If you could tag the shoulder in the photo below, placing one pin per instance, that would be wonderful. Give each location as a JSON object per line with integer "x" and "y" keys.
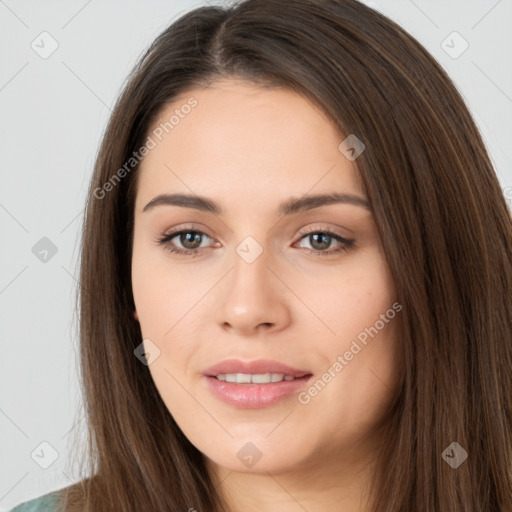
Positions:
{"x": 47, "y": 503}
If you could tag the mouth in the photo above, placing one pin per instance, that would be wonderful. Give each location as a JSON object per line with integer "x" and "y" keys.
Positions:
{"x": 256, "y": 378}
{"x": 260, "y": 369}
{"x": 254, "y": 384}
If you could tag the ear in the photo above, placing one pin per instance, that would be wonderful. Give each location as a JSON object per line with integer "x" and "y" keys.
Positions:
{"x": 135, "y": 315}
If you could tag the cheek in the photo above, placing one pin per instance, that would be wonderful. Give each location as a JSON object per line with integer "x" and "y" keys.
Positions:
{"x": 167, "y": 301}
{"x": 165, "y": 306}
{"x": 348, "y": 299}
{"x": 360, "y": 347}
{"x": 164, "y": 294}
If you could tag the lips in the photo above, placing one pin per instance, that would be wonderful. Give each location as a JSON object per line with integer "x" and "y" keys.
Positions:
{"x": 259, "y": 366}
{"x": 254, "y": 395}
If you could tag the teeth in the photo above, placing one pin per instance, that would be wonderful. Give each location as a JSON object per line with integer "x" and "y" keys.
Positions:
{"x": 259, "y": 378}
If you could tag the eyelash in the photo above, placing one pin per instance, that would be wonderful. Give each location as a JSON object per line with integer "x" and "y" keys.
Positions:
{"x": 164, "y": 240}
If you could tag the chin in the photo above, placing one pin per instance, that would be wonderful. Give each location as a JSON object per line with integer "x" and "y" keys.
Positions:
{"x": 257, "y": 456}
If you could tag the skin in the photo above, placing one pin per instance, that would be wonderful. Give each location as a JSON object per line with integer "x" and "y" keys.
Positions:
{"x": 248, "y": 149}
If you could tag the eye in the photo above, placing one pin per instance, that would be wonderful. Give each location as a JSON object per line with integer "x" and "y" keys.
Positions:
{"x": 190, "y": 240}
{"x": 322, "y": 239}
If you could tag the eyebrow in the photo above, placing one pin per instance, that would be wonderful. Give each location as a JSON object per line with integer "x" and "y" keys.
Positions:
{"x": 288, "y": 207}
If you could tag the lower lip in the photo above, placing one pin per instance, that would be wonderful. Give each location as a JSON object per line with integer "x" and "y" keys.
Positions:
{"x": 254, "y": 396}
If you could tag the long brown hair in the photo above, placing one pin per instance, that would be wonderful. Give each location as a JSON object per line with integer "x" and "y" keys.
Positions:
{"x": 441, "y": 216}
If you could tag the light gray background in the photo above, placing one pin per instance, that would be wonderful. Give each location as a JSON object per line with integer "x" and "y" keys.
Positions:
{"x": 52, "y": 114}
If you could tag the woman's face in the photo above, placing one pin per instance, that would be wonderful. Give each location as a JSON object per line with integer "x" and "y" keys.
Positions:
{"x": 281, "y": 286}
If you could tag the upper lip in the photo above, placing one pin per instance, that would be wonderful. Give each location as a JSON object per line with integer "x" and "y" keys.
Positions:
{"x": 258, "y": 366}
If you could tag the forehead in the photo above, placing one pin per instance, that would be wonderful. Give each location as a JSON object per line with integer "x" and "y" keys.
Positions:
{"x": 242, "y": 137}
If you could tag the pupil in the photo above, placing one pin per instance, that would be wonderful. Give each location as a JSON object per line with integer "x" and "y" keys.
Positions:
{"x": 324, "y": 240}
{"x": 188, "y": 240}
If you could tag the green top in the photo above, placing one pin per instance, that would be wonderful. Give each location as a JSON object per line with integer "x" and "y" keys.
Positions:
{"x": 46, "y": 503}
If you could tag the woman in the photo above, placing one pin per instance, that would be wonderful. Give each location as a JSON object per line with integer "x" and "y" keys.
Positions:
{"x": 295, "y": 276}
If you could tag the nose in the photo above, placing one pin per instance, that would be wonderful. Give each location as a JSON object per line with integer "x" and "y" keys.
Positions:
{"x": 253, "y": 299}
